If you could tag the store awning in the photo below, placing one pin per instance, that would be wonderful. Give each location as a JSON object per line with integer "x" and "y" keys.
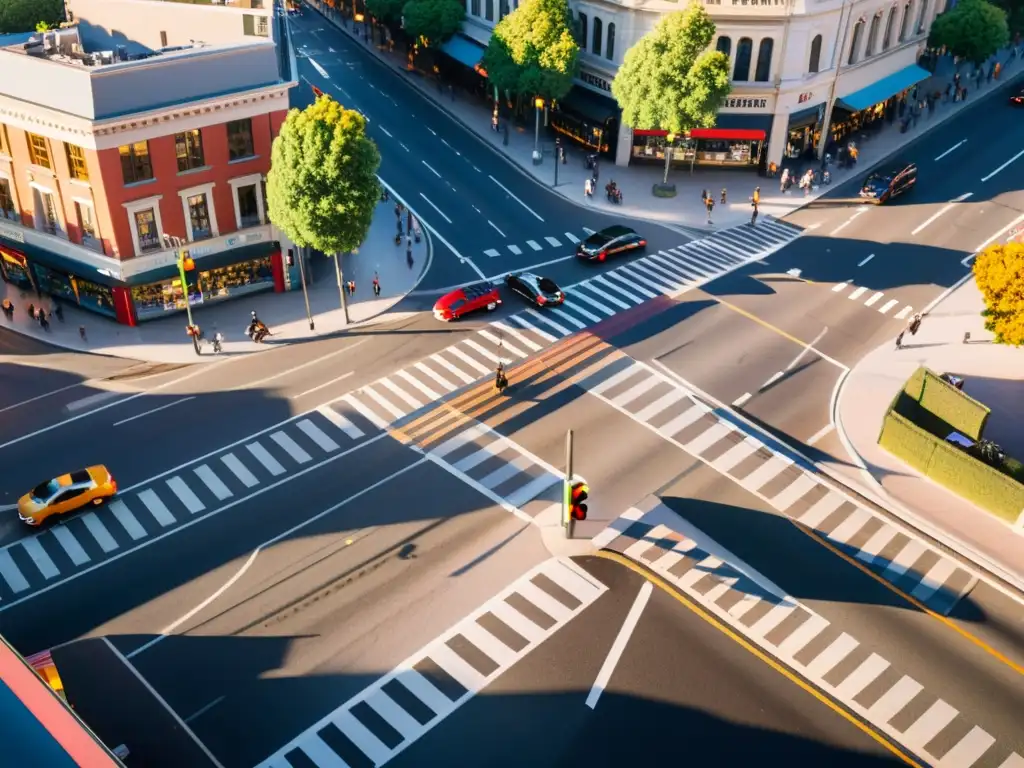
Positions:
{"x": 589, "y": 105}
{"x": 464, "y": 50}
{"x": 727, "y": 126}
{"x": 884, "y": 88}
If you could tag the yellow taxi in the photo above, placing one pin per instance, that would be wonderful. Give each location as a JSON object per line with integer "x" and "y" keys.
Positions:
{"x": 66, "y": 493}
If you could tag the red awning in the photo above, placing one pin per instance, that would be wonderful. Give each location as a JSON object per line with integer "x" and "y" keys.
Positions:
{"x": 712, "y": 133}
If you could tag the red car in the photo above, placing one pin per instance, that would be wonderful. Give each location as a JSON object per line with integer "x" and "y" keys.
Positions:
{"x": 461, "y": 301}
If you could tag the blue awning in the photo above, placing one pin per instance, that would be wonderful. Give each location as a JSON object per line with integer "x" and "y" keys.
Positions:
{"x": 884, "y": 88}
{"x": 464, "y": 50}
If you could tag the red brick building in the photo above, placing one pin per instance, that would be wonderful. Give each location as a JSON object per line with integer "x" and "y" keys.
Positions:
{"x": 114, "y": 159}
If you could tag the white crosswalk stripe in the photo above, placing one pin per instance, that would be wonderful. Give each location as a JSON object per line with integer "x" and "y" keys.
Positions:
{"x": 869, "y": 298}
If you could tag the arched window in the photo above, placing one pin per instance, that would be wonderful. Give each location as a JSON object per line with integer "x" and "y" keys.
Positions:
{"x": 609, "y": 43}
{"x": 744, "y": 50}
{"x": 921, "y": 14}
{"x": 815, "y": 61}
{"x": 724, "y": 45}
{"x": 858, "y": 33}
{"x": 876, "y": 22}
{"x": 581, "y": 30}
{"x": 596, "y": 46}
{"x": 889, "y": 21}
{"x": 904, "y": 21}
{"x": 763, "y": 69}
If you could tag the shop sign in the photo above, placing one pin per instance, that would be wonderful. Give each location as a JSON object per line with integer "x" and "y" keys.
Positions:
{"x": 595, "y": 81}
{"x": 743, "y": 102}
{"x": 12, "y": 233}
{"x": 805, "y": 97}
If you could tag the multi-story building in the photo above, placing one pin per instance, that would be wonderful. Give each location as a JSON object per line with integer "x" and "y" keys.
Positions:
{"x": 795, "y": 64}
{"x": 120, "y": 148}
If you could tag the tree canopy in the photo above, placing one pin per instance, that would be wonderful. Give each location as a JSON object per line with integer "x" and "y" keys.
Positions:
{"x": 433, "y": 21}
{"x": 532, "y": 51}
{"x": 387, "y": 11}
{"x": 999, "y": 274}
{"x": 670, "y": 80}
{"x": 973, "y": 29}
{"x": 322, "y": 187}
{"x": 23, "y": 15}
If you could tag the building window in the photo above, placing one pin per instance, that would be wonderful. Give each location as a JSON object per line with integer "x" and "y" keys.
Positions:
{"x": 489, "y": 10}
{"x": 474, "y": 8}
{"x": 136, "y": 165}
{"x": 7, "y": 210}
{"x": 45, "y": 214}
{"x": 921, "y": 14}
{"x": 609, "y": 43}
{"x": 38, "y": 152}
{"x": 146, "y": 230}
{"x": 596, "y": 43}
{"x": 189, "y": 148}
{"x": 904, "y": 20}
{"x": 724, "y": 45}
{"x": 815, "y": 60}
{"x": 240, "y": 139}
{"x": 248, "y": 197}
{"x": 581, "y": 30}
{"x": 254, "y": 25}
{"x": 76, "y": 162}
{"x": 87, "y": 225}
{"x": 199, "y": 217}
{"x": 502, "y": 9}
{"x": 889, "y": 22}
{"x": 744, "y": 50}
{"x": 858, "y": 33}
{"x": 764, "y": 60}
{"x": 876, "y": 23}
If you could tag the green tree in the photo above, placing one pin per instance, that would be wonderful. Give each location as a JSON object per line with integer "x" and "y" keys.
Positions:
{"x": 322, "y": 188}
{"x": 387, "y": 11}
{"x": 973, "y": 29}
{"x": 433, "y": 21}
{"x": 24, "y": 15}
{"x": 532, "y": 51}
{"x": 670, "y": 80}
{"x": 999, "y": 274}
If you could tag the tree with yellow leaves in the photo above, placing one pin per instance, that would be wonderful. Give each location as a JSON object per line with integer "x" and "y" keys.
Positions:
{"x": 999, "y": 273}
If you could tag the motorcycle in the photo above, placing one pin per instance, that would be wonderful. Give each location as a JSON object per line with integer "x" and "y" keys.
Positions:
{"x": 258, "y": 332}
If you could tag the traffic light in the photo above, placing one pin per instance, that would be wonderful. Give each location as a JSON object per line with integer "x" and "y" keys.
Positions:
{"x": 187, "y": 263}
{"x": 579, "y": 492}
{"x": 291, "y": 257}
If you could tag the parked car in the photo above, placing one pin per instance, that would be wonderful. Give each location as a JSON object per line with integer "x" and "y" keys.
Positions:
{"x": 67, "y": 493}
{"x": 462, "y": 301}
{"x": 880, "y": 187}
{"x": 541, "y": 291}
{"x": 608, "y": 242}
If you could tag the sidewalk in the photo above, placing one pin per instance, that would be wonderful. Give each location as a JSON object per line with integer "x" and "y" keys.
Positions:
{"x": 164, "y": 340}
{"x": 993, "y": 374}
{"x": 636, "y": 181}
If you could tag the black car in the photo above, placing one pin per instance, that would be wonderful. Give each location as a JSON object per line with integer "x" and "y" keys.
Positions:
{"x": 1017, "y": 99}
{"x": 538, "y": 290}
{"x": 608, "y": 242}
{"x": 881, "y": 187}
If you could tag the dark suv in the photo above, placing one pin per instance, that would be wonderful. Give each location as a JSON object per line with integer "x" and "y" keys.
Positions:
{"x": 880, "y": 187}
{"x": 608, "y": 242}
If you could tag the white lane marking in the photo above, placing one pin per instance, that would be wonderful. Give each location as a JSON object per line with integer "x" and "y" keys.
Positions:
{"x": 11, "y": 573}
{"x": 203, "y": 710}
{"x": 45, "y": 394}
{"x": 39, "y": 556}
{"x": 904, "y": 312}
{"x": 739, "y": 401}
{"x": 535, "y": 245}
{"x": 895, "y": 699}
{"x": 156, "y": 507}
{"x": 240, "y": 470}
{"x": 887, "y": 306}
{"x": 428, "y": 128}
{"x": 516, "y": 250}
{"x": 837, "y": 650}
{"x": 495, "y": 253}
{"x": 516, "y": 335}
{"x": 185, "y": 495}
{"x": 409, "y": 400}
{"x": 1004, "y": 165}
{"x": 951, "y": 149}
{"x": 318, "y": 387}
{"x": 402, "y": 145}
{"x": 417, "y": 384}
{"x": 491, "y": 252}
{"x": 262, "y": 455}
{"x": 365, "y": 412}
{"x": 85, "y": 402}
{"x": 938, "y": 213}
{"x": 849, "y": 221}
{"x": 572, "y": 238}
{"x": 70, "y": 544}
{"x": 319, "y": 70}
{"x": 875, "y": 297}
{"x": 821, "y": 433}
{"x": 869, "y": 258}
{"x": 447, "y": 385}
{"x": 211, "y": 481}
{"x": 857, "y": 293}
{"x": 314, "y": 433}
{"x": 839, "y": 288}
{"x": 772, "y": 379}
{"x": 509, "y": 193}
{"x": 387, "y": 132}
{"x": 443, "y": 216}
{"x": 127, "y": 520}
{"x": 451, "y": 368}
{"x": 346, "y": 426}
{"x": 553, "y": 242}
{"x": 431, "y": 169}
{"x": 289, "y": 446}
{"x": 970, "y": 749}
{"x": 279, "y": 374}
{"x": 619, "y": 646}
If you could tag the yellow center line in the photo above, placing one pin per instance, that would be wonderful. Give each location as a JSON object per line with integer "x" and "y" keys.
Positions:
{"x": 883, "y": 740}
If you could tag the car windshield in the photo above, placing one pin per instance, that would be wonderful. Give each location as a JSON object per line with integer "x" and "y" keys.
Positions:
{"x": 597, "y": 240}
{"x": 547, "y": 286}
{"x": 46, "y": 490}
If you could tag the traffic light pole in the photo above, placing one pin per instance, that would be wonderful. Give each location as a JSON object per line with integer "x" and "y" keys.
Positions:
{"x": 568, "y": 524}
{"x": 188, "y": 305}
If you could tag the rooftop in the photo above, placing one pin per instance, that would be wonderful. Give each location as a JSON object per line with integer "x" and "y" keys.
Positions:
{"x": 68, "y": 46}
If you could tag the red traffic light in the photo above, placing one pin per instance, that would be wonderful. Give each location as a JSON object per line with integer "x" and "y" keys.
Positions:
{"x": 579, "y": 493}
{"x": 188, "y": 264}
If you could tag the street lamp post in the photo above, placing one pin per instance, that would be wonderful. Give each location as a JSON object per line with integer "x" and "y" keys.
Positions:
{"x": 538, "y": 105}
{"x": 305, "y": 293}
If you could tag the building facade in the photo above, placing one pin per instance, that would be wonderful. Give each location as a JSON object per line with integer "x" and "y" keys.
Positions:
{"x": 115, "y": 159}
{"x": 796, "y": 65}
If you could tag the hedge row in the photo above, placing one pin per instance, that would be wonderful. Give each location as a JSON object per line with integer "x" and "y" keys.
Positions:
{"x": 952, "y": 467}
{"x": 962, "y": 412}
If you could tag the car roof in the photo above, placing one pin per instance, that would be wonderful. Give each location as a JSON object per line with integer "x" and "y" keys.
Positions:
{"x": 467, "y": 292}
{"x": 616, "y": 230}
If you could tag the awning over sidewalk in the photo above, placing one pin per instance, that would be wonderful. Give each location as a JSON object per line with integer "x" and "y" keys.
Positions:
{"x": 727, "y": 126}
{"x": 464, "y": 50}
{"x": 588, "y": 104}
{"x": 884, "y": 88}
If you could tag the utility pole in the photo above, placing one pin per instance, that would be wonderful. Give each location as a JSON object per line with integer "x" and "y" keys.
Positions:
{"x": 568, "y": 524}
{"x": 185, "y": 264}
{"x": 302, "y": 278}
{"x": 826, "y": 123}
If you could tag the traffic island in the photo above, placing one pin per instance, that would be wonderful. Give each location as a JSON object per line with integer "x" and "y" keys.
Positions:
{"x": 664, "y": 190}
{"x": 938, "y": 430}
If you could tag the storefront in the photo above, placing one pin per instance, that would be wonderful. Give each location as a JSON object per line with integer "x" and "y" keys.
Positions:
{"x": 803, "y": 132}
{"x": 736, "y": 141}
{"x": 866, "y": 109}
{"x": 586, "y": 117}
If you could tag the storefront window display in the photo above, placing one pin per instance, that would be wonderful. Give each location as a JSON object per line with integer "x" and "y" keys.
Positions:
{"x": 14, "y": 268}
{"x": 738, "y": 152}
{"x": 156, "y": 299}
{"x": 85, "y": 293}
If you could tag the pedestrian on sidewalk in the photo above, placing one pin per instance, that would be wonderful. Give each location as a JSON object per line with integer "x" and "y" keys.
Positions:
{"x": 376, "y": 285}
{"x": 408, "y": 247}
{"x": 784, "y": 181}
{"x": 385, "y": 196}
{"x": 81, "y": 332}
{"x": 588, "y": 188}
{"x": 996, "y": 69}
{"x": 704, "y": 197}
{"x": 755, "y": 202}
{"x": 709, "y": 204}
{"x": 773, "y": 169}
{"x": 723, "y": 198}
{"x": 351, "y": 288}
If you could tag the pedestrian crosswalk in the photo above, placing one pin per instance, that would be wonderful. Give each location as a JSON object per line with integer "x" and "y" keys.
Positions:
{"x": 835, "y": 661}
{"x": 390, "y": 715}
{"x": 212, "y": 482}
{"x": 876, "y": 300}
{"x": 564, "y": 240}
{"x": 785, "y": 482}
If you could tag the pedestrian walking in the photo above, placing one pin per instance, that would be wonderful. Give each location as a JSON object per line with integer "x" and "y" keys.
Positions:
{"x": 755, "y": 202}
{"x": 351, "y": 287}
{"x": 784, "y": 181}
{"x": 915, "y": 325}
{"x": 588, "y": 188}
{"x": 899, "y": 340}
{"x": 376, "y": 285}
{"x": 723, "y": 196}
{"x": 81, "y": 332}
{"x": 709, "y": 204}
{"x": 704, "y": 197}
